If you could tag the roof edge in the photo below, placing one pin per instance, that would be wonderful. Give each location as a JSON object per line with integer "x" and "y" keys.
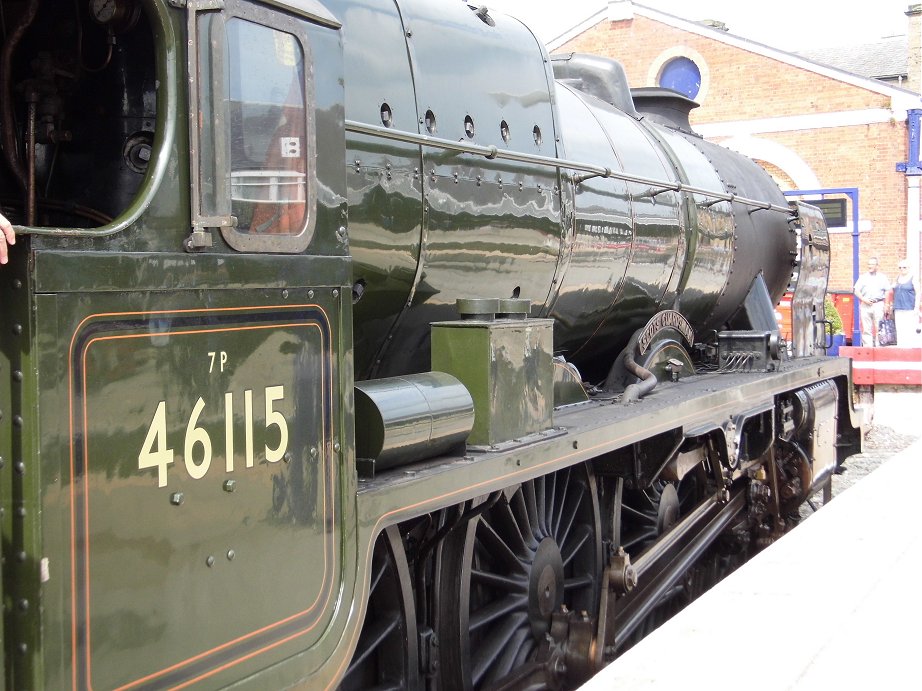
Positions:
{"x": 897, "y": 93}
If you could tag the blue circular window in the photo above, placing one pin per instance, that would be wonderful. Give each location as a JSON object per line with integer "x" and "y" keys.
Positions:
{"x": 682, "y": 75}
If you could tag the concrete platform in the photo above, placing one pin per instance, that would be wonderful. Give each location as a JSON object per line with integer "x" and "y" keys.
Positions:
{"x": 835, "y": 604}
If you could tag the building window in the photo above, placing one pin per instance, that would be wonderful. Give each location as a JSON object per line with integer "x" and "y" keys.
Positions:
{"x": 681, "y": 74}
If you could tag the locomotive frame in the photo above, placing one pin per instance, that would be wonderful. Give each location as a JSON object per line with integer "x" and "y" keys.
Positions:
{"x": 226, "y": 461}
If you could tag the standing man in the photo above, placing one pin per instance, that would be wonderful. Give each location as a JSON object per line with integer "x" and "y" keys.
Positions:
{"x": 871, "y": 290}
{"x": 7, "y": 237}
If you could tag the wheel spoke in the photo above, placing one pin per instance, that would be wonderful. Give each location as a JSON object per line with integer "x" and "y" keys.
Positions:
{"x": 565, "y": 533}
{"x": 493, "y": 646}
{"x": 495, "y": 547}
{"x": 506, "y": 524}
{"x": 636, "y": 538}
{"x": 579, "y": 540}
{"x": 490, "y": 616}
{"x": 500, "y": 581}
{"x": 642, "y": 515}
{"x": 531, "y": 504}
{"x": 373, "y": 636}
{"x": 520, "y": 509}
{"x": 494, "y": 610}
{"x": 386, "y": 656}
{"x": 525, "y": 651}
{"x": 541, "y": 505}
{"x": 563, "y": 501}
{"x": 652, "y": 495}
{"x": 380, "y": 567}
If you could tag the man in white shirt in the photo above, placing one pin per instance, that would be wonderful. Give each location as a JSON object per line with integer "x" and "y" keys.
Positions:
{"x": 871, "y": 291}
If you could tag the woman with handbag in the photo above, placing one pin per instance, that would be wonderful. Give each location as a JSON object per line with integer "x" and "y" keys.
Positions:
{"x": 904, "y": 302}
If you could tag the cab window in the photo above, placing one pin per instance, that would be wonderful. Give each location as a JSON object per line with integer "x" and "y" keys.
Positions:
{"x": 257, "y": 135}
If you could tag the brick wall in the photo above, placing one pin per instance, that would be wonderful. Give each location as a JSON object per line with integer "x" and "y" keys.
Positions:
{"x": 740, "y": 85}
{"x": 863, "y": 157}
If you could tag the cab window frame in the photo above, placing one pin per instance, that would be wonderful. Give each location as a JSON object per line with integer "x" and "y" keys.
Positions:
{"x": 213, "y": 197}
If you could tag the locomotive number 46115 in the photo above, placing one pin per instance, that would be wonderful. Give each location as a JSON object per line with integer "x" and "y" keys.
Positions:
{"x": 197, "y": 443}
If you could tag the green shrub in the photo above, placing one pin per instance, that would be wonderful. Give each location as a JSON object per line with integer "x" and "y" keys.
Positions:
{"x": 832, "y": 316}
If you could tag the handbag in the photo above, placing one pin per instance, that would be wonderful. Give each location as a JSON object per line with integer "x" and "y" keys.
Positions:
{"x": 886, "y": 332}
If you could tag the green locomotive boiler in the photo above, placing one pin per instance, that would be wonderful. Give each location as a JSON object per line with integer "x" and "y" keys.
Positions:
{"x": 362, "y": 344}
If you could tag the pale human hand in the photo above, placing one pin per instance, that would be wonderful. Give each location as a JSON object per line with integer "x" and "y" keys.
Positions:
{"x": 7, "y": 237}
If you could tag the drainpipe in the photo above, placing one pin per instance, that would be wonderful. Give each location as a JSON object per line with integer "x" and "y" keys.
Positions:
{"x": 913, "y": 171}
{"x": 913, "y": 221}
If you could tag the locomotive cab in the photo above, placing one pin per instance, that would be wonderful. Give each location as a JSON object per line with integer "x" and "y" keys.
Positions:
{"x": 244, "y": 156}
{"x": 177, "y": 176}
{"x": 79, "y": 85}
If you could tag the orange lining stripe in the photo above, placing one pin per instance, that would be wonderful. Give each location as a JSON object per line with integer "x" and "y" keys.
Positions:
{"x": 327, "y": 399}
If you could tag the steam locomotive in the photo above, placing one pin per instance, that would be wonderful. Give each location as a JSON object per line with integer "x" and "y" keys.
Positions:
{"x": 361, "y": 344}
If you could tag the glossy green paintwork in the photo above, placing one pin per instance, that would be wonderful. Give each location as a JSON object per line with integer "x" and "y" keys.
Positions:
{"x": 100, "y": 272}
{"x": 568, "y": 385}
{"x": 507, "y": 366}
{"x": 423, "y": 221}
{"x": 114, "y": 326}
{"x": 626, "y": 246}
{"x": 429, "y": 226}
{"x": 177, "y": 570}
{"x": 404, "y": 419}
{"x": 20, "y": 478}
